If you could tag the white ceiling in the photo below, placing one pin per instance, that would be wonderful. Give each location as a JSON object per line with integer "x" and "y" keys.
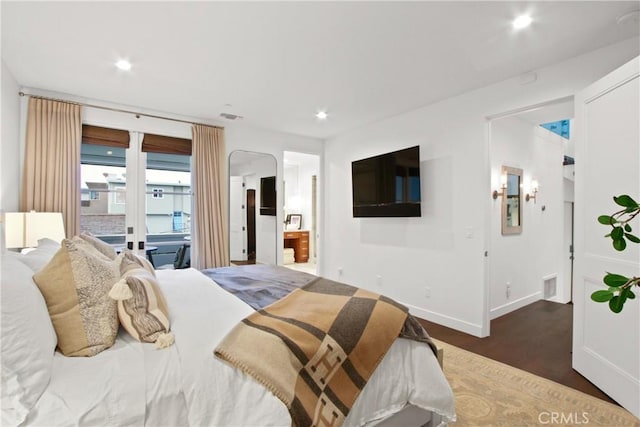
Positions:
{"x": 276, "y": 63}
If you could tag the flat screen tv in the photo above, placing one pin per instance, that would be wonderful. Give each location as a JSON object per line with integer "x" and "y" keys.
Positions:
{"x": 268, "y": 195}
{"x": 387, "y": 185}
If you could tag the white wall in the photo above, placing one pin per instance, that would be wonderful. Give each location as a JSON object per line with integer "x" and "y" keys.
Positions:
{"x": 523, "y": 260}
{"x": 10, "y": 147}
{"x": 444, "y": 249}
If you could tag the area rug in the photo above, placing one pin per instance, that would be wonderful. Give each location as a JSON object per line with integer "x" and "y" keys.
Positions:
{"x": 490, "y": 393}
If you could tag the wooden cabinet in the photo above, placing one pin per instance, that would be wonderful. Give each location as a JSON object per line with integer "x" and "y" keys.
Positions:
{"x": 299, "y": 241}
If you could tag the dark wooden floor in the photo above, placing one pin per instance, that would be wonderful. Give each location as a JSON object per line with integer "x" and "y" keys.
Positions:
{"x": 536, "y": 338}
{"x": 251, "y": 261}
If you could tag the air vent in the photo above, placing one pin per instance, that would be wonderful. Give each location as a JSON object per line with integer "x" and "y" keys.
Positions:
{"x": 230, "y": 116}
{"x": 550, "y": 290}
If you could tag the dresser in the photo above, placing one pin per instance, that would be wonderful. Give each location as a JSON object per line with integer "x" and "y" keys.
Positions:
{"x": 299, "y": 241}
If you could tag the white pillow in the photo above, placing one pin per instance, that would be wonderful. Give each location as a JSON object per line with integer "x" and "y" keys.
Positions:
{"x": 40, "y": 256}
{"x": 28, "y": 340}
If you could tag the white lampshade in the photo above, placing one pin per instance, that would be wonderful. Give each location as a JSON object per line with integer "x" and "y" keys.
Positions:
{"x": 24, "y": 229}
{"x": 534, "y": 185}
{"x": 14, "y": 230}
{"x": 503, "y": 180}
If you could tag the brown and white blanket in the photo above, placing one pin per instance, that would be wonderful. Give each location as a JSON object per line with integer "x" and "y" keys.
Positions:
{"x": 316, "y": 348}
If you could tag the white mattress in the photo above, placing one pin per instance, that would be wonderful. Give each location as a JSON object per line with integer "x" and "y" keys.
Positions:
{"x": 135, "y": 384}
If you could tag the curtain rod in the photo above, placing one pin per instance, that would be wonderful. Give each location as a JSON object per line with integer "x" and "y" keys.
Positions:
{"x": 118, "y": 110}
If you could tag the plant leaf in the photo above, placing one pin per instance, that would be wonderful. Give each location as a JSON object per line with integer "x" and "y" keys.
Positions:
{"x": 606, "y": 220}
{"x": 615, "y": 304}
{"x": 620, "y": 244}
{"x": 615, "y": 280}
{"x": 627, "y": 228}
{"x": 625, "y": 293}
{"x": 630, "y": 294}
{"x": 602, "y": 296}
{"x": 625, "y": 201}
{"x": 617, "y": 233}
{"x": 632, "y": 238}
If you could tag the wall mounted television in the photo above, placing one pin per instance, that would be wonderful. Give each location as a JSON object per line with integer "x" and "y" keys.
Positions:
{"x": 387, "y": 185}
{"x": 268, "y": 195}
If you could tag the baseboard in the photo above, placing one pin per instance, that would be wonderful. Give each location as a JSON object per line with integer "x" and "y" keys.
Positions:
{"x": 610, "y": 378}
{"x": 514, "y": 305}
{"x": 558, "y": 300}
{"x": 449, "y": 322}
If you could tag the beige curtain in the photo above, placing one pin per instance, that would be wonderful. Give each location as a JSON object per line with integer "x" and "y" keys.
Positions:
{"x": 210, "y": 224}
{"x": 51, "y": 172}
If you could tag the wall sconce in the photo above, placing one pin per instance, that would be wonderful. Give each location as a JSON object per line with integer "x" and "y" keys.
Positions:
{"x": 503, "y": 187}
{"x": 534, "y": 191}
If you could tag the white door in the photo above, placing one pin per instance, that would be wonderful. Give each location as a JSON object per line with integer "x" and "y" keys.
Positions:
{"x": 606, "y": 346}
{"x": 237, "y": 219}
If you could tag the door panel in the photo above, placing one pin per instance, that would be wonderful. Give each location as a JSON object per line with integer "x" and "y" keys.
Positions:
{"x": 606, "y": 346}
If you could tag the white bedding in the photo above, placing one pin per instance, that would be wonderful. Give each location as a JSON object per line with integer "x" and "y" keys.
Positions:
{"x": 135, "y": 384}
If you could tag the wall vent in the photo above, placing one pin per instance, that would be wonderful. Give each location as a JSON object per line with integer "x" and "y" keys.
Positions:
{"x": 550, "y": 289}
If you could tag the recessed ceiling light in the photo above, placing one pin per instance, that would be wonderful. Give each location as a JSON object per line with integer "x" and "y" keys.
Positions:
{"x": 321, "y": 115}
{"x": 123, "y": 65}
{"x": 522, "y": 21}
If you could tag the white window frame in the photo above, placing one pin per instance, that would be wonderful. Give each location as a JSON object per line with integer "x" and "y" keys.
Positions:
{"x": 158, "y": 193}
{"x": 120, "y": 195}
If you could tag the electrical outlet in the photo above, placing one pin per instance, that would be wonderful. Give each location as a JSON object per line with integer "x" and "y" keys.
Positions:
{"x": 379, "y": 280}
{"x": 427, "y": 292}
{"x": 339, "y": 271}
{"x": 508, "y": 290}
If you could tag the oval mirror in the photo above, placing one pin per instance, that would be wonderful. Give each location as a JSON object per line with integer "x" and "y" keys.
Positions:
{"x": 252, "y": 208}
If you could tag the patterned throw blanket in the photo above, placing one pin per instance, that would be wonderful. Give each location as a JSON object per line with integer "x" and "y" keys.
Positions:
{"x": 316, "y": 348}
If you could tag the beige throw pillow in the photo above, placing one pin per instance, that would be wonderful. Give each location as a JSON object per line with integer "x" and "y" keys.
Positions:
{"x": 75, "y": 285}
{"x": 104, "y": 248}
{"x": 130, "y": 260}
{"x": 145, "y": 314}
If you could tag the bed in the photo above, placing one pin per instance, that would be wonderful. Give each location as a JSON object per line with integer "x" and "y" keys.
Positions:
{"x": 133, "y": 383}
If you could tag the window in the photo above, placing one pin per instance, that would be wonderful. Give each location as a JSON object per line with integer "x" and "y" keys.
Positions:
{"x": 103, "y": 173}
{"x": 168, "y": 208}
{"x": 561, "y": 127}
{"x": 120, "y": 196}
{"x": 103, "y": 182}
{"x": 145, "y": 181}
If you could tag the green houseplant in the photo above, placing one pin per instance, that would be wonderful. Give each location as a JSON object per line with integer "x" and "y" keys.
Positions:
{"x": 619, "y": 287}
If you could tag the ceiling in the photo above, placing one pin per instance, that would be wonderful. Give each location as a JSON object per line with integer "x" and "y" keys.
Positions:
{"x": 277, "y": 63}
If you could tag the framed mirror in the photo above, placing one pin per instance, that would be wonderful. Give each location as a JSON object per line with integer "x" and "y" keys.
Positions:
{"x": 511, "y": 200}
{"x": 252, "y": 230}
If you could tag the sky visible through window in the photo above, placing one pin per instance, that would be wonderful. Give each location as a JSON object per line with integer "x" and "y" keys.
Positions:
{"x": 561, "y": 127}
